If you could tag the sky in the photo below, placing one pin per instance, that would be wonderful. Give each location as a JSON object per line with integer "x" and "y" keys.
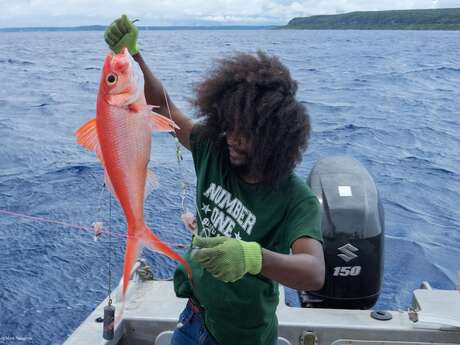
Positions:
{"x": 18, "y": 13}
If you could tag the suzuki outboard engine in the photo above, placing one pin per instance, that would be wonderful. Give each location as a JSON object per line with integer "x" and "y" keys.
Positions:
{"x": 353, "y": 230}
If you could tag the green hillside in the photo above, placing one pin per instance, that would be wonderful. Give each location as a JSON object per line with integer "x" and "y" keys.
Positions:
{"x": 436, "y": 19}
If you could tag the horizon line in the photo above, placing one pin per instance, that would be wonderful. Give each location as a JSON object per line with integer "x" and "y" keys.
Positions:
{"x": 143, "y": 26}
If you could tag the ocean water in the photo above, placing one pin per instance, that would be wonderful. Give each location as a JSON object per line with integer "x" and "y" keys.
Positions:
{"x": 389, "y": 99}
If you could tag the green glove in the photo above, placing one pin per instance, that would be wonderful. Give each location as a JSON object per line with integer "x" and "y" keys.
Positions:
{"x": 227, "y": 259}
{"x": 122, "y": 33}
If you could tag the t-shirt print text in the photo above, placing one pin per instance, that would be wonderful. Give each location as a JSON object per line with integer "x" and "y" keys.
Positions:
{"x": 224, "y": 212}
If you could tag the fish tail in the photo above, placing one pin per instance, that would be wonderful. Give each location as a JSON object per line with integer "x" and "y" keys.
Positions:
{"x": 156, "y": 244}
{"x": 131, "y": 254}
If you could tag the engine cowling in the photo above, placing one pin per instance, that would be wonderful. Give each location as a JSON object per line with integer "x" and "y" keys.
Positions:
{"x": 353, "y": 232}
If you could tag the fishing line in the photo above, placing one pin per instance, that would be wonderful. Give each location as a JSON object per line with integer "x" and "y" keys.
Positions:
{"x": 99, "y": 202}
{"x": 179, "y": 157}
{"x": 109, "y": 309}
{"x": 184, "y": 186}
{"x": 74, "y": 226}
{"x": 110, "y": 251}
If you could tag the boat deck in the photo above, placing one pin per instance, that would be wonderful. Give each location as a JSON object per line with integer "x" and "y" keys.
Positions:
{"x": 152, "y": 310}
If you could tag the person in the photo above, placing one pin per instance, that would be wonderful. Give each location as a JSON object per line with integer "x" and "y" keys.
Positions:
{"x": 252, "y": 209}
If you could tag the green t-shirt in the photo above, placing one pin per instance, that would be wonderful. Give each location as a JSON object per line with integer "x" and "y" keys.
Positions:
{"x": 243, "y": 312}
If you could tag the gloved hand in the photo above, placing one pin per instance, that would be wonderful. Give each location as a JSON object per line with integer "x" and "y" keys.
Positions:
{"x": 122, "y": 33}
{"x": 228, "y": 259}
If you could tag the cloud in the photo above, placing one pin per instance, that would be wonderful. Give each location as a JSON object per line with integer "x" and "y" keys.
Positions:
{"x": 166, "y": 12}
{"x": 447, "y": 3}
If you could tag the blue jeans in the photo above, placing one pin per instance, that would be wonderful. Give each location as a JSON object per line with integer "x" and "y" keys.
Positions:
{"x": 191, "y": 330}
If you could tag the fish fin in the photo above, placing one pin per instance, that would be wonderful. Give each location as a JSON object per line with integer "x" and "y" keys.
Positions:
{"x": 161, "y": 123}
{"x": 155, "y": 244}
{"x": 151, "y": 183}
{"x": 119, "y": 100}
{"x": 87, "y": 135}
{"x": 131, "y": 254}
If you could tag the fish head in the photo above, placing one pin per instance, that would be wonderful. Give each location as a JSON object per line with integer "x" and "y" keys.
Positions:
{"x": 122, "y": 81}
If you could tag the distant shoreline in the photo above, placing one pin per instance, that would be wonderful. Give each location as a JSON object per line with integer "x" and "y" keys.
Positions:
{"x": 444, "y": 19}
{"x": 144, "y": 28}
{"x": 430, "y": 19}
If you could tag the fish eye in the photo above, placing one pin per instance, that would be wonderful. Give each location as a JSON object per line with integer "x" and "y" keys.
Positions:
{"x": 111, "y": 79}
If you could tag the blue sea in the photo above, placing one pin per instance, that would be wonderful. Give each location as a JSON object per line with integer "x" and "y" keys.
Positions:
{"x": 391, "y": 99}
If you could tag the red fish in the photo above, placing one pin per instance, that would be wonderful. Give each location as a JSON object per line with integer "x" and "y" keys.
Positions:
{"x": 121, "y": 136}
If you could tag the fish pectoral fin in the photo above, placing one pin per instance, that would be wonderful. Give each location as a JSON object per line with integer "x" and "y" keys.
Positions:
{"x": 151, "y": 183}
{"x": 161, "y": 123}
{"x": 87, "y": 135}
{"x": 119, "y": 99}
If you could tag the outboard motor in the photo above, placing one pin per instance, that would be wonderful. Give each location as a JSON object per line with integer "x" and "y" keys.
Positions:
{"x": 353, "y": 230}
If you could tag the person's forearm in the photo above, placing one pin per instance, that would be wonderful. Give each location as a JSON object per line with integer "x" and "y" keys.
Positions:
{"x": 297, "y": 271}
{"x": 156, "y": 95}
{"x": 153, "y": 89}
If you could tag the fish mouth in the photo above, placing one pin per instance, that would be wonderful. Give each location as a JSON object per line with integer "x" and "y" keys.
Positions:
{"x": 121, "y": 62}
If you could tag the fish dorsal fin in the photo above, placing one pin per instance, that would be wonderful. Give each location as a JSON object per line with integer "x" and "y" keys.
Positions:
{"x": 151, "y": 183}
{"x": 161, "y": 123}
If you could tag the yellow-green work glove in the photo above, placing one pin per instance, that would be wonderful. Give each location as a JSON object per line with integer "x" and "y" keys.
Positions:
{"x": 122, "y": 33}
{"x": 227, "y": 259}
